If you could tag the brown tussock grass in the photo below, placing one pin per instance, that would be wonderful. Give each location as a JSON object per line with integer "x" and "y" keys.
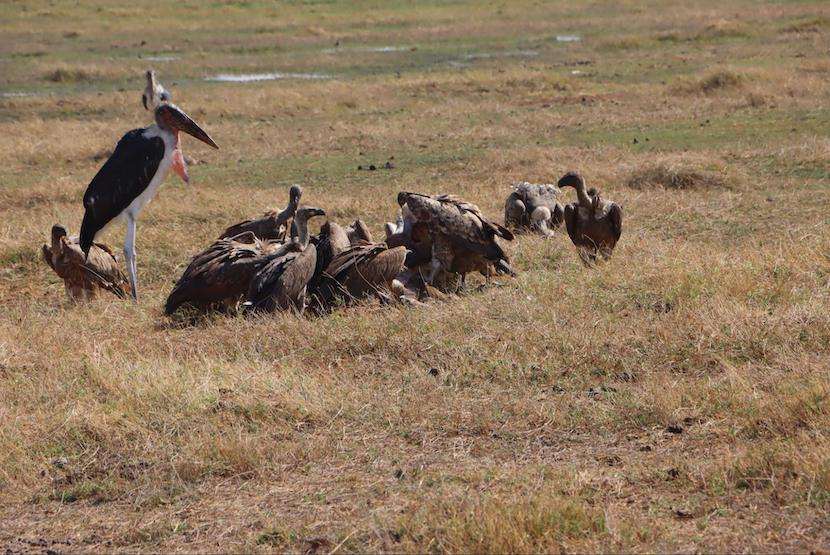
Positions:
{"x": 677, "y": 175}
{"x": 722, "y": 80}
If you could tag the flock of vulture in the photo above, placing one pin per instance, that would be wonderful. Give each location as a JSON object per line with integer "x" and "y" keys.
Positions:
{"x": 274, "y": 262}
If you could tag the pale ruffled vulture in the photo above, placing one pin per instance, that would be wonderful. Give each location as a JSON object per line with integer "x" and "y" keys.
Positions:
{"x": 84, "y": 276}
{"x": 534, "y": 206}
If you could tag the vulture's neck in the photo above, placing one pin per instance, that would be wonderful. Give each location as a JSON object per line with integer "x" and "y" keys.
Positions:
{"x": 287, "y": 212}
{"x": 301, "y": 232}
{"x": 582, "y": 194}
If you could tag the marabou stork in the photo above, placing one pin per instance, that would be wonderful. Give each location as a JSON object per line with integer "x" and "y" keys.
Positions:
{"x": 130, "y": 177}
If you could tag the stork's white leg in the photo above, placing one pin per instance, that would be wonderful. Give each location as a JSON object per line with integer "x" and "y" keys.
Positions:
{"x": 129, "y": 255}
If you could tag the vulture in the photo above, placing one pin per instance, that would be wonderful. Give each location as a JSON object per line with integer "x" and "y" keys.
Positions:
{"x": 220, "y": 276}
{"x": 360, "y": 271}
{"x": 415, "y": 236}
{"x": 463, "y": 239}
{"x": 359, "y": 232}
{"x": 533, "y": 206}
{"x": 154, "y": 93}
{"x": 331, "y": 241}
{"x": 593, "y": 223}
{"x": 83, "y": 276}
{"x": 283, "y": 280}
{"x": 272, "y": 225}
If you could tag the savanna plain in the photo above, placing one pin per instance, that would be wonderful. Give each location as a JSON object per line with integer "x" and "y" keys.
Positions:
{"x": 676, "y": 398}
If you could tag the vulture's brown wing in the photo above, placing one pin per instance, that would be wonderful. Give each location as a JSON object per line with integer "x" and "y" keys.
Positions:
{"x": 352, "y": 257}
{"x": 264, "y": 228}
{"x": 377, "y": 270}
{"x": 359, "y": 271}
{"x": 615, "y": 216}
{"x": 101, "y": 267}
{"x": 283, "y": 278}
{"x": 221, "y": 272}
{"x": 46, "y": 251}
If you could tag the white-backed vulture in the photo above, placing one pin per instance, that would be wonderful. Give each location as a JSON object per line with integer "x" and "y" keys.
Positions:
{"x": 534, "y": 206}
{"x": 272, "y": 225}
{"x": 593, "y": 223}
{"x": 463, "y": 239}
{"x": 331, "y": 241}
{"x": 83, "y": 276}
{"x": 282, "y": 282}
{"x": 219, "y": 276}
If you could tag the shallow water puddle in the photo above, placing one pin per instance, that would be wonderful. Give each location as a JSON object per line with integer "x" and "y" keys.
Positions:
{"x": 369, "y": 49}
{"x": 251, "y": 77}
{"x": 16, "y": 94}
{"x": 161, "y": 58}
{"x": 568, "y": 38}
{"x": 508, "y": 54}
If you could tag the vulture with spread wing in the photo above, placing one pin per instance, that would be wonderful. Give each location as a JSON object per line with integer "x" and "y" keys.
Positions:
{"x": 219, "y": 277}
{"x": 593, "y": 223}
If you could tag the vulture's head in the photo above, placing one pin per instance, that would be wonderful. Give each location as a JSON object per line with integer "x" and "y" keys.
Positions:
{"x": 294, "y": 194}
{"x": 58, "y": 231}
{"x": 420, "y": 206}
{"x": 571, "y": 179}
{"x": 305, "y": 213}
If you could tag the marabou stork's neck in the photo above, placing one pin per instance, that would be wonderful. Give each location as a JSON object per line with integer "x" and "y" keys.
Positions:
{"x": 173, "y": 139}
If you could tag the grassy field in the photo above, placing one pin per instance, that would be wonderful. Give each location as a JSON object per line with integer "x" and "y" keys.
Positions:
{"x": 674, "y": 399}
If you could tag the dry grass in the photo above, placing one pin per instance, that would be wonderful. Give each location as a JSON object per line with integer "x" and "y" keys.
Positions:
{"x": 674, "y": 399}
{"x": 668, "y": 175}
{"x": 712, "y": 82}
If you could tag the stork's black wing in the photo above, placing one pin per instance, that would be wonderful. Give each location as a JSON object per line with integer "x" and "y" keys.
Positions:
{"x": 121, "y": 179}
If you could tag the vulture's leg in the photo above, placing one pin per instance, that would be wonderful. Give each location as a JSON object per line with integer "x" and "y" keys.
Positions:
{"x": 434, "y": 268}
{"x": 129, "y": 255}
{"x": 588, "y": 257}
{"x": 442, "y": 256}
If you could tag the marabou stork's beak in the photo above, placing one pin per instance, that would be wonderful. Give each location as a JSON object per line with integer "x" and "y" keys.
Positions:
{"x": 174, "y": 117}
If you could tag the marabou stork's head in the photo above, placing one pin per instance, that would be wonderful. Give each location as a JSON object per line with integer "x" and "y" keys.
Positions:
{"x": 171, "y": 117}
